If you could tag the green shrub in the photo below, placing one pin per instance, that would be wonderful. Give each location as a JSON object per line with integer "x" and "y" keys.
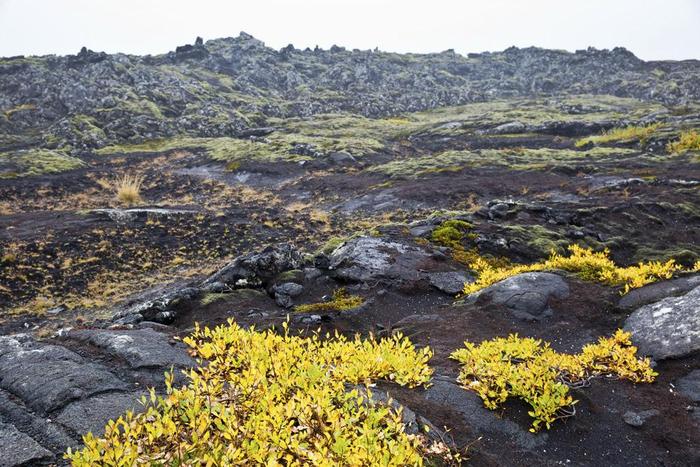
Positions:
{"x": 451, "y": 233}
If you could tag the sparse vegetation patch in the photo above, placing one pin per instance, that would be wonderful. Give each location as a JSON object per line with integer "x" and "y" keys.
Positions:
{"x": 128, "y": 189}
{"x": 530, "y": 370}
{"x": 32, "y": 162}
{"x": 340, "y": 301}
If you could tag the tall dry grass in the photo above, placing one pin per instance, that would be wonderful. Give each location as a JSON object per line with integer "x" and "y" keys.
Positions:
{"x": 128, "y": 189}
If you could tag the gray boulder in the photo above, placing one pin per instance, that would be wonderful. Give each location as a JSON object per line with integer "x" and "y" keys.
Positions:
{"x": 289, "y": 288}
{"x": 638, "y": 419}
{"x": 342, "y": 157}
{"x": 158, "y": 306}
{"x": 526, "y": 295}
{"x": 251, "y": 270}
{"x": 370, "y": 258}
{"x": 92, "y": 414}
{"x": 422, "y": 230}
{"x": 509, "y": 128}
{"x": 414, "y": 323}
{"x": 451, "y": 282}
{"x": 284, "y": 293}
{"x": 668, "y": 328}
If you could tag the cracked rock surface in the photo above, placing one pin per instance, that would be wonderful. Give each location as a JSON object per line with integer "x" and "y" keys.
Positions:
{"x": 52, "y": 393}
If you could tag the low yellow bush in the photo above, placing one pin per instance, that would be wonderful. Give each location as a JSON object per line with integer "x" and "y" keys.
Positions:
{"x": 688, "y": 141}
{"x": 589, "y": 265}
{"x": 268, "y": 399}
{"x": 530, "y": 370}
{"x": 641, "y": 133}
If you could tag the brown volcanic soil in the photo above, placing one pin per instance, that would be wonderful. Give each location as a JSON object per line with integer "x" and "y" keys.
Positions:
{"x": 57, "y": 250}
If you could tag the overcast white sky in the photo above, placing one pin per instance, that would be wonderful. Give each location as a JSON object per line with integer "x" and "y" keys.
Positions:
{"x": 652, "y": 29}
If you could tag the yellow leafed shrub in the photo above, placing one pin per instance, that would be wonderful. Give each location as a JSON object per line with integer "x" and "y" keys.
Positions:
{"x": 269, "y": 399}
{"x": 341, "y": 301}
{"x": 530, "y": 370}
{"x": 688, "y": 141}
{"x": 641, "y": 133}
{"x": 588, "y": 264}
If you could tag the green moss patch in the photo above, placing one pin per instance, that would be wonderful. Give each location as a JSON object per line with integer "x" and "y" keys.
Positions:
{"x": 36, "y": 162}
{"x": 513, "y": 158}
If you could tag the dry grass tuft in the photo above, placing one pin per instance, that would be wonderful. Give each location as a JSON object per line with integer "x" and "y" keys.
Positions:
{"x": 128, "y": 188}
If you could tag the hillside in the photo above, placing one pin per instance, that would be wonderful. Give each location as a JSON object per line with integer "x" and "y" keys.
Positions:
{"x": 226, "y": 86}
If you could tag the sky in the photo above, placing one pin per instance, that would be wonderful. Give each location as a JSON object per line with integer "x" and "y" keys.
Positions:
{"x": 652, "y": 29}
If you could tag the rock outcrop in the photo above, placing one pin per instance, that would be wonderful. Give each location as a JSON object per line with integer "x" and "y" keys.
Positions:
{"x": 93, "y": 99}
{"x": 52, "y": 393}
{"x": 370, "y": 258}
{"x": 380, "y": 260}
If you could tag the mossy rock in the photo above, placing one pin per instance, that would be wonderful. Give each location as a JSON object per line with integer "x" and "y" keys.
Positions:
{"x": 294, "y": 275}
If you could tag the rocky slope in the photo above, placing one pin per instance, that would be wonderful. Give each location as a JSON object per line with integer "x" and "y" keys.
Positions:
{"x": 279, "y": 177}
{"x": 225, "y": 86}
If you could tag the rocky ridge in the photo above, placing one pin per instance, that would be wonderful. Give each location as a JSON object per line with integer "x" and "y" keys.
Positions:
{"x": 226, "y": 87}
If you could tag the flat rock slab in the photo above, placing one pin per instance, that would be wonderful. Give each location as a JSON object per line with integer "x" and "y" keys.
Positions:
{"x": 92, "y": 414}
{"x": 16, "y": 448}
{"x": 669, "y": 328}
{"x": 47, "y": 377}
{"x": 140, "y": 348}
{"x": 52, "y": 436}
{"x": 526, "y": 295}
